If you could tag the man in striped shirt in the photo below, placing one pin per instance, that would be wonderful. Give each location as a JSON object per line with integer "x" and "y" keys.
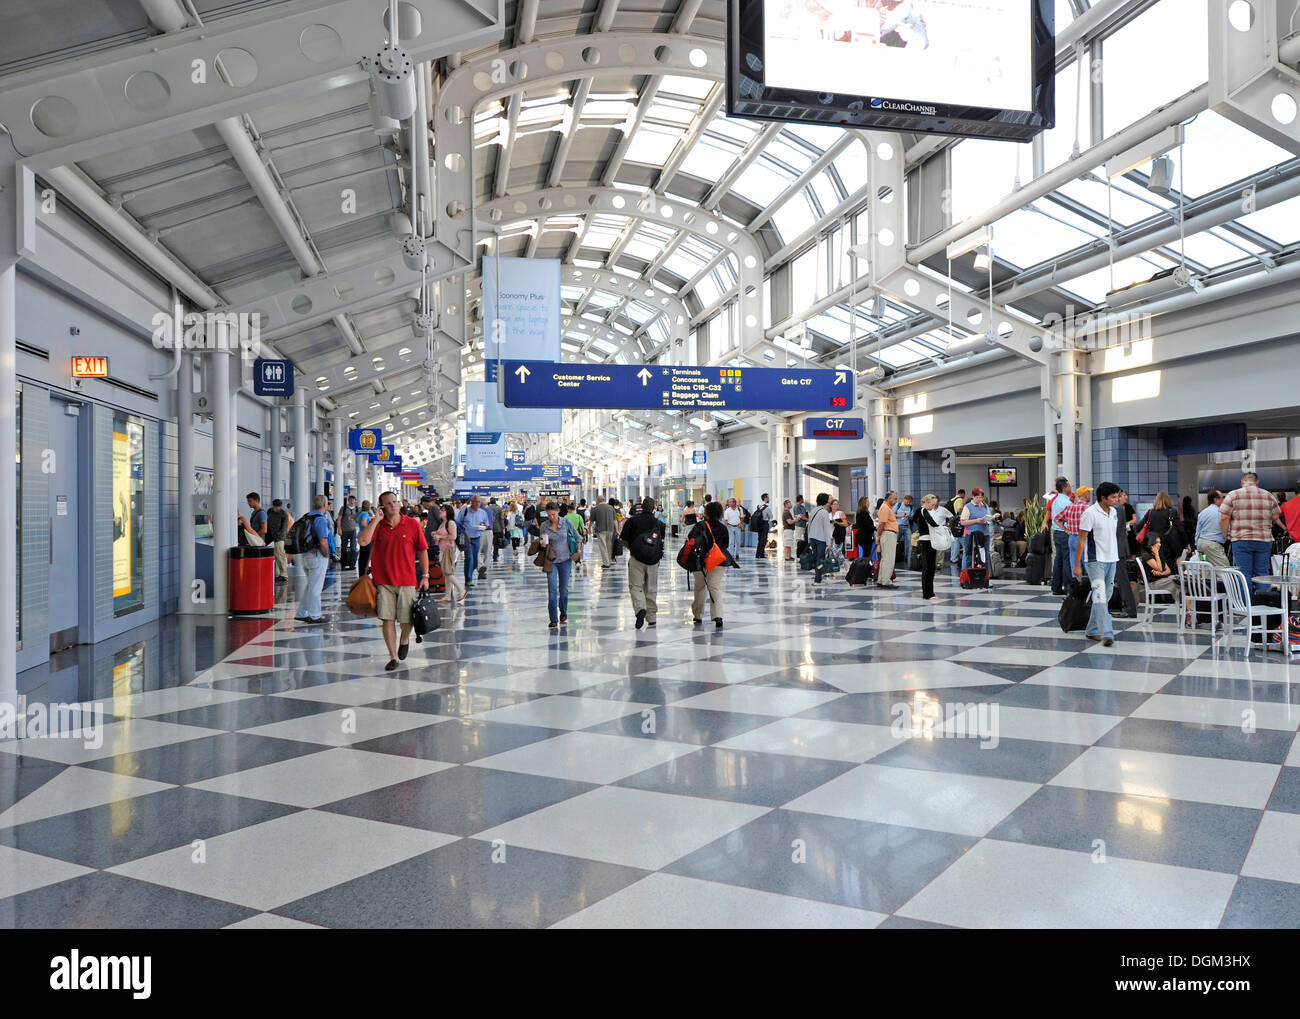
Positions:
{"x": 1070, "y": 516}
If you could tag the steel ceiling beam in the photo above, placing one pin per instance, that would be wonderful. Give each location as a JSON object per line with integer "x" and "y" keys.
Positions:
{"x": 319, "y": 298}
{"x": 649, "y": 207}
{"x": 546, "y": 63}
{"x": 82, "y": 104}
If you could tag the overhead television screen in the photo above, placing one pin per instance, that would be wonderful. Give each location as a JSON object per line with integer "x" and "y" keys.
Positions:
{"x": 983, "y": 68}
{"x": 1003, "y": 477}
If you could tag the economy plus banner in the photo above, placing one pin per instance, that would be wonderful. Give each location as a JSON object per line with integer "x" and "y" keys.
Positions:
{"x": 521, "y": 321}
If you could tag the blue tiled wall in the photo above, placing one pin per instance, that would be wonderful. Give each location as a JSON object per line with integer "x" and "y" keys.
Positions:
{"x": 1134, "y": 459}
{"x": 921, "y": 473}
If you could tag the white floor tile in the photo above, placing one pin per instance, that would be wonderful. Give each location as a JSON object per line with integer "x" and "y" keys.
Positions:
{"x": 269, "y": 864}
{"x": 817, "y": 738}
{"x": 1008, "y": 885}
{"x": 669, "y": 902}
{"x": 938, "y": 801}
{"x": 587, "y": 757}
{"x": 312, "y": 780}
{"x": 1171, "y": 776}
{"x": 632, "y": 827}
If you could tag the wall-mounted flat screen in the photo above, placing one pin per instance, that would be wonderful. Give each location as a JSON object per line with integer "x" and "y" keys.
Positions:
{"x": 979, "y": 68}
{"x": 1002, "y": 477}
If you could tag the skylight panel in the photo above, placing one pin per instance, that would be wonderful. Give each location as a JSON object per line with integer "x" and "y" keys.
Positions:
{"x": 1216, "y": 152}
{"x": 761, "y": 183}
{"x": 709, "y": 158}
{"x": 851, "y": 165}
{"x": 1158, "y": 56}
{"x": 684, "y": 85}
{"x": 1279, "y": 222}
{"x": 652, "y": 144}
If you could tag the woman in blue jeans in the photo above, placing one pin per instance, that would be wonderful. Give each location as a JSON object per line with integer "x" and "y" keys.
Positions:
{"x": 558, "y": 546}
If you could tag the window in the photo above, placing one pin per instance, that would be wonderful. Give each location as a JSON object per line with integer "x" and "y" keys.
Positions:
{"x": 128, "y": 514}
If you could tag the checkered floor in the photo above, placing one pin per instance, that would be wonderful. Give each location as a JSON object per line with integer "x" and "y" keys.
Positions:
{"x": 833, "y": 757}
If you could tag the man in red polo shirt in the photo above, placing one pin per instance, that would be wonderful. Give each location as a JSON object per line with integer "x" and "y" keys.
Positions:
{"x": 397, "y": 541}
{"x": 1291, "y": 516}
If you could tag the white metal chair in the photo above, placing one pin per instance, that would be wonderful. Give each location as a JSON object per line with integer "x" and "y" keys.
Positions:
{"x": 1149, "y": 595}
{"x": 1200, "y": 585}
{"x": 1239, "y": 606}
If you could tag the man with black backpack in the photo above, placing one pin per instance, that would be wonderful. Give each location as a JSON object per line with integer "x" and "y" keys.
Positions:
{"x": 643, "y": 534}
{"x": 761, "y": 522}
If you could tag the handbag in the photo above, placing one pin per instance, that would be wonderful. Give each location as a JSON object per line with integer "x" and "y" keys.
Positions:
{"x": 575, "y": 546}
{"x": 941, "y": 539}
{"x": 714, "y": 557}
{"x": 363, "y": 597}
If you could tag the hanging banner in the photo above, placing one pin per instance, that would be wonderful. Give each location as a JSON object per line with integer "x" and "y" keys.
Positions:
{"x": 521, "y": 321}
{"x": 485, "y": 451}
{"x": 365, "y": 440}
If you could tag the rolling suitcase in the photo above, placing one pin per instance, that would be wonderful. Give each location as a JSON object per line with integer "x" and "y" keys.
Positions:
{"x": 996, "y": 565}
{"x": 1035, "y": 568}
{"x": 977, "y": 574}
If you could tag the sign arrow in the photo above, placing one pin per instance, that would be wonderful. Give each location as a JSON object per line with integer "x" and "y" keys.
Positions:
{"x": 839, "y": 377}
{"x": 644, "y": 376}
{"x": 523, "y": 373}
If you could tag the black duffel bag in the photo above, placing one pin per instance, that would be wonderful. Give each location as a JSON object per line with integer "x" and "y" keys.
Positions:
{"x": 424, "y": 616}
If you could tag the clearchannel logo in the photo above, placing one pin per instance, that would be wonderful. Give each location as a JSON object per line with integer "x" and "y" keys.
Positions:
{"x": 889, "y": 104}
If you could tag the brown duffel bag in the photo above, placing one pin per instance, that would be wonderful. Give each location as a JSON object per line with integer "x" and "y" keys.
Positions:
{"x": 362, "y": 597}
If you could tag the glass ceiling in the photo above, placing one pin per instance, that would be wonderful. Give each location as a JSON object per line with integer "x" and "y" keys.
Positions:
{"x": 788, "y": 189}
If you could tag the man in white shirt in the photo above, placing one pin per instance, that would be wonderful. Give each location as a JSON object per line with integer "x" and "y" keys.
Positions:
{"x": 1098, "y": 552}
{"x": 731, "y": 516}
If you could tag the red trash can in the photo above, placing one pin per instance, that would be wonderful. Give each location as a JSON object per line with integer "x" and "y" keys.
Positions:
{"x": 251, "y": 577}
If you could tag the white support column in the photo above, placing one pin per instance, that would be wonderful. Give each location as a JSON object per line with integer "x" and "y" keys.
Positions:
{"x": 301, "y": 477}
{"x": 336, "y": 455}
{"x": 1085, "y": 429}
{"x": 277, "y": 463}
{"x": 224, "y": 459}
{"x": 878, "y": 408}
{"x": 185, "y": 484}
{"x": 1069, "y": 404}
{"x": 363, "y": 477}
{"x": 9, "y": 550}
{"x": 317, "y": 462}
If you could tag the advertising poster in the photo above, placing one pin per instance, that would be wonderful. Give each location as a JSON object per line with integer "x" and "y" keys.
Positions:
{"x": 121, "y": 514}
{"x": 904, "y": 52}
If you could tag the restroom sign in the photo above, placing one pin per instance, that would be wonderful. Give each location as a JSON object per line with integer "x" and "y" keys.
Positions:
{"x": 89, "y": 367}
{"x": 272, "y": 378}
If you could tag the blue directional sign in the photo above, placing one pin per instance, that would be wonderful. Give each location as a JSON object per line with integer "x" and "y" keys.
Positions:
{"x": 272, "y": 378}
{"x": 365, "y": 440}
{"x": 685, "y": 388}
{"x": 521, "y": 472}
{"x": 393, "y": 465}
{"x": 832, "y": 428}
